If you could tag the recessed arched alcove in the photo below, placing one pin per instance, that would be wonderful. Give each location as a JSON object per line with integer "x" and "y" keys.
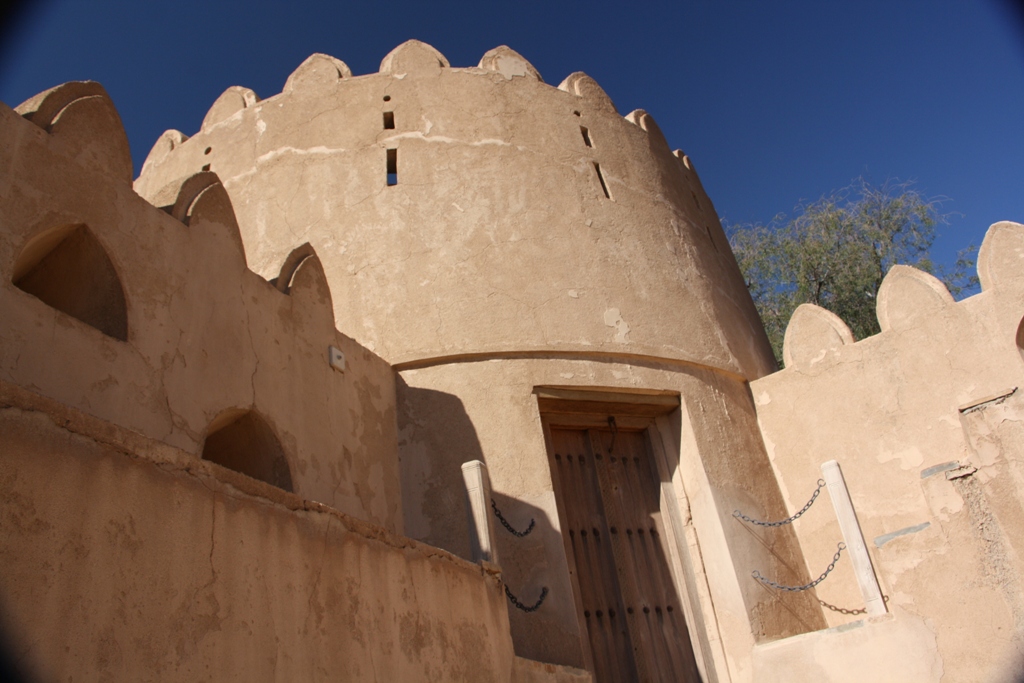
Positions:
{"x": 67, "y": 268}
{"x": 244, "y": 442}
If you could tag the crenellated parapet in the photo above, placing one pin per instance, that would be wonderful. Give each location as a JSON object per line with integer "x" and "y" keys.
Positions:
{"x": 926, "y": 420}
{"x": 421, "y": 178}
{"x": 910, "y": 298}
{"x": 144, "y": 315}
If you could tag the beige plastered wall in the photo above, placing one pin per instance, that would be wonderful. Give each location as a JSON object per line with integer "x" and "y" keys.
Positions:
{"x": 205, "y": 334}
{"x": 498, "y": 241}
{"x": 126, "y": 559}
{"x": 926, "y": 421}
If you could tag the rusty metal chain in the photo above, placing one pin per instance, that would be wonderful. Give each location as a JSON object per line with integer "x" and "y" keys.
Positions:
{"x": 519, "y": 605}
{"x": 795, "y": 589}
{"x": 504, "y": 522}
{"x": 789, "y": 520}
{"x": 842, "y": 610}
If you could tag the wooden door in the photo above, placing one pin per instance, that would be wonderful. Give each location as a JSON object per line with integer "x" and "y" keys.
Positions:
{"x": 608, "y": 488}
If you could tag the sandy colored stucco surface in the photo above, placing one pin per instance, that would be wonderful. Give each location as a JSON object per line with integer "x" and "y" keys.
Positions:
{"x": 535, "y": 238}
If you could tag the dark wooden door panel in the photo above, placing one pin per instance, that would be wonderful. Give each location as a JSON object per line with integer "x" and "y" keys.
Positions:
{"x": 596, "y": 575}
{"x": 610, "y": 495}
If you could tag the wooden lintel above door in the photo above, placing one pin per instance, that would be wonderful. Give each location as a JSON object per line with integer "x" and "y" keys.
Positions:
{"x": 605, "y": 401}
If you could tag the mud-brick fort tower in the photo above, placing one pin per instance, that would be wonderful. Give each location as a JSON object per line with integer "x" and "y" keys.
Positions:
{"x": 447, "y": 374}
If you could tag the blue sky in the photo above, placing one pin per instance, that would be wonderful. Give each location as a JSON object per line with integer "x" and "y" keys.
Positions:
{"x": 774, "y": 102}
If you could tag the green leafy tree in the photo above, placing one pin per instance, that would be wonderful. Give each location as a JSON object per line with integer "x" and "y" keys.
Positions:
{"x": 836, "y": 251}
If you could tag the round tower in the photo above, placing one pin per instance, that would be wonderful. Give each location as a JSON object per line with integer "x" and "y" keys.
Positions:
{"x": 549, "y": 279}
{"x": 479, "y": 211}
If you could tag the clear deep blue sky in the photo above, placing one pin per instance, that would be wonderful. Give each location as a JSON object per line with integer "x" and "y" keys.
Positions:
{"x": 774, "y": 102}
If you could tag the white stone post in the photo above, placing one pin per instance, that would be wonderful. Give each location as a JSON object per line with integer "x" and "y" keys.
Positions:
{"x": 854, "y": 539}
{"x": 481, "y": 524}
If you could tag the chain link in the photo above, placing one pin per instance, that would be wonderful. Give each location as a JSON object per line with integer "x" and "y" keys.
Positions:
{"x": 842, "y": 610}
{"x": 795, "y": 589}
{"x": 789, "y": 520}
{"x": 504, "y": 523}
{"x": 519, "y": 605}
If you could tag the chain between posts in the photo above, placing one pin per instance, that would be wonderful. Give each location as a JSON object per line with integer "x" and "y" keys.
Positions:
{"x": 512, "y": 598}
{"x": 842, "y": 610}
{"x": 504, "y": 522}
{"x": 795, "y": 589}
{"x": 788, "y": 520}
{"x": 519, "y": 605}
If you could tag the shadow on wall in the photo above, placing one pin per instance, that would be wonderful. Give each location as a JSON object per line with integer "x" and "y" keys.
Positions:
{"x": 10, "y": 668}
{"x": 68, "y": 269}
{"x": 435, "y": 436}
{"x": 531, "y": 556}
{"x": 242, "y": 441}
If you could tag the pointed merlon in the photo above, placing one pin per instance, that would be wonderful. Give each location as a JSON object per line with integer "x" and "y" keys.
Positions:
{"x": 318, "y": 72}
{"x": 81, "y": 115}
{"x": 413, "y": 57}
{"x": 814, "y": 335}
{"x": 638, "y": 118}
{"x": 684, "y": 160}
{"x": 302, "y": 278}
{"x": 233, "y": 100}
{"x": 42, "y": 109}
{"x": 691, "y": 177}
{"x": 283, "y": 281}
{"x": 1001, "y": 257}
{"x": 646, "y": 122}
{"x": 309, "y": 288}
{"x": 189, "y": 191}
{"x": 582, "y": 85}
{"x": 169, "y": 141}
{"x": 202, "y": 200}
{"x": 509, "y": 63}
{"x": 909, "y": 296}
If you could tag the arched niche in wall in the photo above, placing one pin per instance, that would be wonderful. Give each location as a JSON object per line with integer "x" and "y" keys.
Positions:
{"x": 242, "y": 441}
{"x": 67, "y": 268}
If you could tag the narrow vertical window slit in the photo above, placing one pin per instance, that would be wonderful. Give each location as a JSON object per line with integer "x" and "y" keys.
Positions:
{"x": 389, "y": 120}
{"x": 586, "y": 136}
{"x": 708, "y": 229}
{"x": 600, "y": 177}
{"x": 392, "y": 167}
